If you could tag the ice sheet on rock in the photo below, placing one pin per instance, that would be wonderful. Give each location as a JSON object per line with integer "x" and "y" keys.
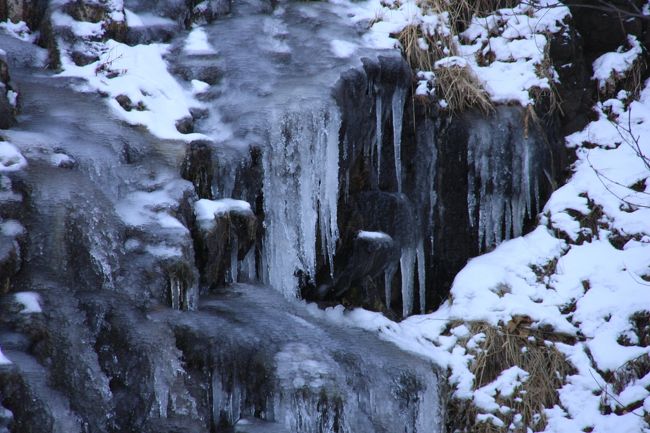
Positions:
{"x": 342, "y": 48}
{"x": 30, "y": 302}
{"x": 146, "y": 20}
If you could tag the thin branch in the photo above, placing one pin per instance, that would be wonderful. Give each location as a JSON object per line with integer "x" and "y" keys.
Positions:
{"x": 610, "y": 395}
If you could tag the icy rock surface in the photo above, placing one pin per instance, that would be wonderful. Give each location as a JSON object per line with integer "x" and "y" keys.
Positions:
{"x": 113, "y": 328}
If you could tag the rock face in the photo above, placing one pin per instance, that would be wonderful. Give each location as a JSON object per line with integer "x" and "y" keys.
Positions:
{"x": 8, "y": 95}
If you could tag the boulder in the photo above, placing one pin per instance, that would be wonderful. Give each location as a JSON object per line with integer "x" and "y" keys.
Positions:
{"x": 224, "y": 232}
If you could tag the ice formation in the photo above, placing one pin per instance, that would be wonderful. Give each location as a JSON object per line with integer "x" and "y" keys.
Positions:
{"x": 502, "y": 182}
{"x": 301, "y": 159}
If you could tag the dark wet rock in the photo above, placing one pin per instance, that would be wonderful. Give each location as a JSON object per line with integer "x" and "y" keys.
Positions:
{"x": 574, "y": 87}
{"x": 221, "y": 242}
{"x": 197, "y": 167}
{"x": 8, "y": 107}
{"x": 82, "y": 58}
{"x": 372, "y": 254}
{"x": 207, "y": 11}
{"x": 606, "y": 25}
{"x": 185, "y": 125}
{"x": 10, "y": 262}
{"x": 29, "y": 11}
{"x": 125, "y": 102}
{"x": 6, "y": 419}
{"x": 6, "y": 110}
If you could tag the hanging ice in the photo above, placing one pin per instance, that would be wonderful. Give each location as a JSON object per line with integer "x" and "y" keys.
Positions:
{"x": 399, "y": 96}
{"x": 389, "y": 273}
{"x": 502, "y": 179}
{"x": 407, "y": 269}
{"x": 421, "y": 276}
{"x": 379, "y": 136}
{"x": 300, "y": 193}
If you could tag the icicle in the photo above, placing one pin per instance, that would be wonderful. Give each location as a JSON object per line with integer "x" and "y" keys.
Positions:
{"x": 399, "y": 96}
{"x": 300, "y": 191}
{"x": 247, "y": 266}
{"x": 175, "y": 292}
{"x": 407, "y": 264}
{"x": 217, "y": 397}
{"x": 389, "y": 273}
{"x": 421, "y": 276}
{"x": 379, "y": 136}
{"x": 234, "y": 249}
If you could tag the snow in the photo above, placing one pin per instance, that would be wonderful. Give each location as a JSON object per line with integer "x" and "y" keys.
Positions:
{"x": 140, "y": 73}
{"x": 146, "y": 20}
{"x": 504, "y": 50}
{"x": 197, "y": 43}
{"x": 11, "y": 159}
{"x": 342, "y": 49}
{"x": 598, "y": 269}
{"x": 610, "y": 66}
{"x": 206, "y": 210}
{"x": 30, "y": 302}
{"x": 11, "y": 228}
{"x": 3, "y": 359}
{"x": 376, "y": 236}
{"x": 18, "y": 30}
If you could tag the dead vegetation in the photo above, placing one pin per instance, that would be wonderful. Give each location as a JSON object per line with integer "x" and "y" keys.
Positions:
{"x": 503, "y": 347}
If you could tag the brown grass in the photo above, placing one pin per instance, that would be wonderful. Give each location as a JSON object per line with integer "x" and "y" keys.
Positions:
{"x": 461, "y": 89}
{"x": 505, "y": 347}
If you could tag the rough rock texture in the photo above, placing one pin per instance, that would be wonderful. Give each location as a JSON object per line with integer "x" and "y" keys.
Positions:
{"x": 229, "y": 238}
{"x": 29, "y": 11}
{"x": 8, "y": 110}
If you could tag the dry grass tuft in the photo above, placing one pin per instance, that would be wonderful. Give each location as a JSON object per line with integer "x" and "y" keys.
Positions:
{"x": 461, "y": 89}
{"x": 504, "y": 347}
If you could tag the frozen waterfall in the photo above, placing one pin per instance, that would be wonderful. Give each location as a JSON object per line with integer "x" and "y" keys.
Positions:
{"x": 300, "y": 193}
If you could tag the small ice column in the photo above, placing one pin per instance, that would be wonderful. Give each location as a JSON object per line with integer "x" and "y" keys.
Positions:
{"x": 389, "y": 273}
{"x": 399, "y": 96}
{"x": 248, "y": 265}
{"x": 407, "y": 268}
{"x": 234, "y": 270}
{"x": 379, "y": 136}
{"x": 300, "y": 192}
{"x": 421, "y": 275}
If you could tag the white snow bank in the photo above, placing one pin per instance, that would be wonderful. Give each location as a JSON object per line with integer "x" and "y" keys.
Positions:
{"x": 207, "y": 210}
{"x": 10, "y": 158}
{"x": 30, "y": 302}
{"x": 615, "y": 65}
{"x": 154, "y": 207}
{"x": 140, "y": 73}
{"x": 18, "y": 30}
{"x": 583, "y": 272}
{"x": 505, "y": 50}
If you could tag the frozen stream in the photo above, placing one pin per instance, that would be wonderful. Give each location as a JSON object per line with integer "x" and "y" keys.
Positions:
{"x": 108, "y": 248}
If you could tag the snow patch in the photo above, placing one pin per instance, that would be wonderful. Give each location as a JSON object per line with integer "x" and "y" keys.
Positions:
{"x": 30, "y": 302}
